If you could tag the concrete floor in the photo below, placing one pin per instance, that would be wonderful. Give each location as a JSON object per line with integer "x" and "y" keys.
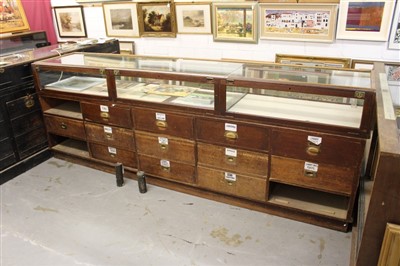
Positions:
{"x": 60, "y": 213}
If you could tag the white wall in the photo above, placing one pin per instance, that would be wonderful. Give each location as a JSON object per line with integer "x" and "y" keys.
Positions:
{"x": 203, "y": 46}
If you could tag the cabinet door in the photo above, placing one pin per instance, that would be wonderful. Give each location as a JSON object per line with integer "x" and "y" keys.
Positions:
{"x": 232, "y": 133}
{"x": 161, "y": 122}
{"x": 244, "y": 186}
{"x": 317, "y": 147}
{"x": 107, "y": 114}
{"x": 110, "y": 135}
{"x": 230, "y": 159}
{"x": 166, "y": 147}
{"x": 324, "y": 177}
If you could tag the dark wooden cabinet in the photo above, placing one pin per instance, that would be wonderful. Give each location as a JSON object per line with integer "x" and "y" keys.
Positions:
{"x": 215, "y": 129}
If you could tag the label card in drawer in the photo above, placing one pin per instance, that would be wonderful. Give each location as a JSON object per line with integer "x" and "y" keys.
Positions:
{"x": 230, "y": 152}
{"x": 107, "y": 129}
{"x": 313, "y": 167}
{"x": 163, "y": 140}
{"x": 165, "y": 163}
{"x": 315, "y": 140}
{"x": 104, "y": 108}
{"x": 230, "y": 127}
{"x": 112, "y": 150}
{"x": 161, "y": 116}
{"x": 230, "y": 176}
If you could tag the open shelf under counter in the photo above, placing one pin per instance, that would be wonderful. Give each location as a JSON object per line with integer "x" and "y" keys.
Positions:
{"x": 72, "y": 147}
{"x": 309, "y": 200}
{"x": 68, "y": 109}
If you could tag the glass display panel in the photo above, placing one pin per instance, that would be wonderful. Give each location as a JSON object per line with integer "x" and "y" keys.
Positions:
{"x": 172, "y": 92}
{"x": 277, "y": 72}
{"x": 71, "y": 82}
{"x": 393, "y": 85}
{"x": 323, "y": 109}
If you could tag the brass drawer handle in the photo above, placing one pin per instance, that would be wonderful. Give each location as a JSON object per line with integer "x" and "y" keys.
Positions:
{"x": 112, "y": 155}
{"x": 163, "y": 146}
{"x": 231, "y": 135}
{"x": 313, "y": 150}
{"x": 105, "y": 115}
{"x": 63, "y": 126}
{"x": 29, "y": 102}
{"x": 162, "y": 124}
{"x": 109, "y": 136}
{"x": 230, "y": 159}
{"x": 164, "y": 168}
{"x": 230, "y": 183}
{"x": 309, "y": 173}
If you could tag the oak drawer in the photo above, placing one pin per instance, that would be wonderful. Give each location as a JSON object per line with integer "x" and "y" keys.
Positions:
{"x": 231, "y": 133}
{"x": 166, "y": 147}
{"x": 65, "y": 127}
{"x": 317, "y": 147}
{"x": 244, "y": 186}
{"x": 163, "y": 123}
{"x": 324, "y": 177}
{"x": 110, "y": 136}
{"x": 170, "y": 170}
{"x": 107, "y": 114}
{"x": 236, "y": 160}
{"x": 113, "y": 154}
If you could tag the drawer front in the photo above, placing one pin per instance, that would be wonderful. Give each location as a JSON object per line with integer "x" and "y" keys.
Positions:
{"x": 110, "y": 136}
{"x": 170, "y": 170}
{"x": 27, "y": 123}
{"x": 31, "y": 142}
{"x": 113, "y": 154}
{"x": 163, "y": 123}
{"x": 7, "y": 161}
{"x": 110, "y": 115}
{"x": 233, "y": 134}
{"x": 166, "y": 147}
{"x": 329, "y": 178}
{"x": 3, "y": 130}
{"x": 244, "y": 186}
{"x": 6, "y": 147}
{"x": 317, "y": 147}
{"x": 65, "y": 127}
{"x": 23, "y": 105}
{"x": 236, "y": 160}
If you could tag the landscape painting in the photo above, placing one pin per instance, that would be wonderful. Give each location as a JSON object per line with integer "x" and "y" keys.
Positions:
{"x": 193, "y": 18}
{"x": 296, "y": 22}
{"x": 12, "y": 17}
{"x": 157, "y": 19}
{"x": 121, "y": 19}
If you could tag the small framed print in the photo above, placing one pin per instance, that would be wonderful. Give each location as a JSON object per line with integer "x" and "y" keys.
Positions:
{"x": 157, "y": 19}
{"x": 299, "y": 22}
{"x": 394, "y": 39}
{"x": 235, "y": 22}
{"x": 121, "y": 19}
{"x": 367, "y": 20}
{"x": 70, "y": 21}
{"x": 194, "y": 18}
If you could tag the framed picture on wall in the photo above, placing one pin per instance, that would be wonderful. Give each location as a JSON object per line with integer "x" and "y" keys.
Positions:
{"x": 394, "y": 39}
{"x": 70, "y": 21}
{"x": 157, "y": 19}
{"x": 193, "y": 18}
{"x": 299, "y": 22}
{"x": 235, "y": 22}
{"x": 13, "y": 17}
{"x": 121, "y": 19}
{"x": 367, "y": 20}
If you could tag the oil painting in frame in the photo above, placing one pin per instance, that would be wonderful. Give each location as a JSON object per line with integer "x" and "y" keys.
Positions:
{"x": 300, "y": 22}
{"x": 70, "y": 21}
{"x": 193, "y": 18}
{"x": 394, "y": 39}
{"x": 157, "y": 19}
{"x": 367, "y": 20}
{"x": 13, "y": 17}
{"x": 235, "y": 22}
{"x": 121, "y": 19}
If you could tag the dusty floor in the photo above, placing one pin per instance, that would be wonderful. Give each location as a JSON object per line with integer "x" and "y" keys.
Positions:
{"x": 60, "y": 213}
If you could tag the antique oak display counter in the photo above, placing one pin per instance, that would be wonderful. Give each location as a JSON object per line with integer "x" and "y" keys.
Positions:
{"x": 282, "y": 139}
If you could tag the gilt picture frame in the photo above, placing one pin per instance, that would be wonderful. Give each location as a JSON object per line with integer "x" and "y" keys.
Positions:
{"x": 70, "y": 21}
{"x": 235, "y": 22}
{"x": 298, "y": 22}
{"x": 156, "y": 19}
{"x": 366, "y": 20}
{"x": 14, "y": 18}
{"x": 121, "y": 19}
{"x": 193, "y": 18}
{"x": 394, "y": 37}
